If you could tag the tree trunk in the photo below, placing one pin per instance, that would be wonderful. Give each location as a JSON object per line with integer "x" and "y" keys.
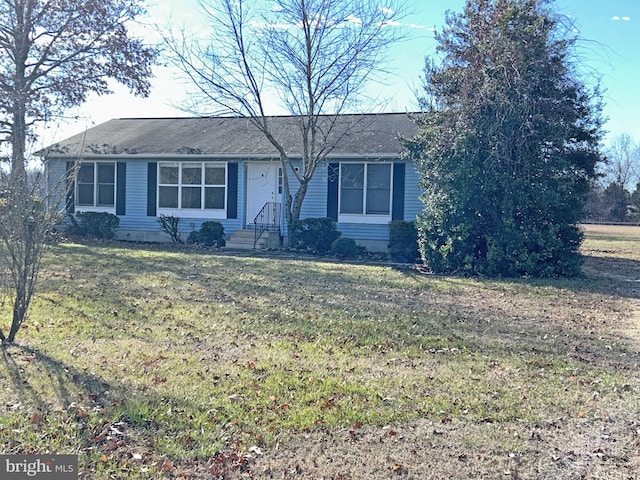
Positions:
{"x": 18, "y": 145}
{"x": 298, "y": 199}
{"x": 19, "y": 312}
{"x": 19, "y": 100}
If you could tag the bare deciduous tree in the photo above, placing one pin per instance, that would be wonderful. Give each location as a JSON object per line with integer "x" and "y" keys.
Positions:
{"x": 313, "y": 56}
{"x": 623, "y": 162}
{"x": 24, "y": 223}
{"x": 619, "y": 176}
{"x": 53, "y": 53}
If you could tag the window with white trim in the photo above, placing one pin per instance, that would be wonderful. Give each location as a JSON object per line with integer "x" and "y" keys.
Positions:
{"x": 192, "y": 186}
{"x": 96, "y": 186}
{"x": 365, "y": 189}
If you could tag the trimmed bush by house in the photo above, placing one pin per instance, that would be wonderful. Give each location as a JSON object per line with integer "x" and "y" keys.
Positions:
{"x": 210, "y": 234}
{"x": 313, "y": 234}
{"x": 95, "y": 224}
{"x": 347, "y": 247}
{"x": 403, "y": 241}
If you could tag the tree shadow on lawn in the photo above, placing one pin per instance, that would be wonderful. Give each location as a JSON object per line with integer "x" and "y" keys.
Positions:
{"x": 96, "y": 255}
{"x": 503, "y": 316}
{"x": 53, "y": 406}
{"x": 617, "y": 276}
{"x": 40, "y": 380}
{"x": 500, "y": 316}
{"x": 590, "y": 319}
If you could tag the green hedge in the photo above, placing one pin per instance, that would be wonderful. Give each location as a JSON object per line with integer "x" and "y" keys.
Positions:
{"x": 95, "y": 224}
{"x": 210, "y": 234}
{"x": 403, "y": 241}
{"x": 313, "y": 234}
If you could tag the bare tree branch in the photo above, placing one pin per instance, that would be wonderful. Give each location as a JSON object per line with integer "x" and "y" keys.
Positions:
{"x": 53, "y": 54}
{"x": 312, "y": 56}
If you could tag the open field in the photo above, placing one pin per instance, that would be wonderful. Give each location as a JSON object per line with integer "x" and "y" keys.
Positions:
{"x": 150, "y": 362}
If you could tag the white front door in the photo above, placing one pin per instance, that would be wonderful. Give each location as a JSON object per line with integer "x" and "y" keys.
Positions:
{"x": 262, "y": 187}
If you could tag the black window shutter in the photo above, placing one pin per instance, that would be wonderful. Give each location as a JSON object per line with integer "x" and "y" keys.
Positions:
{"x": 232, "y": 190}
{"x": 121, "y": 187}
{"x": 397, "y": 209}
{"x": 333, "y": 183}
{"x": 152, "y": 187}
{"x": 70, "y": 184}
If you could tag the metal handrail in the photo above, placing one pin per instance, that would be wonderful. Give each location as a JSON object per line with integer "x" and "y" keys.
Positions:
{"x": 268, "y": 219}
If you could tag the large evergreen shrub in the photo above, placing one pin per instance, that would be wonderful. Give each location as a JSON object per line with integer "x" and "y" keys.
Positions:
{"x": 508, "y": 145}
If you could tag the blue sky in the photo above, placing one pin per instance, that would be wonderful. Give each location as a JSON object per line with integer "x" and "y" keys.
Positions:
{"x": 609, "y": 52}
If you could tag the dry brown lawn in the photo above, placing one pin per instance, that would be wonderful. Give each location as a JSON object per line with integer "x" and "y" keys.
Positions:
{"x": 603, "y": 445}
{"x": 153, "y": 363}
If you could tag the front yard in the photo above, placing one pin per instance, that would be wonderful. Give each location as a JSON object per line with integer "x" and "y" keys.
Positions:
{"x": 156, "y": 363}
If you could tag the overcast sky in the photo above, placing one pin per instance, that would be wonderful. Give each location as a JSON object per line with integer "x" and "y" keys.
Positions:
{"x": 610, "y": 51}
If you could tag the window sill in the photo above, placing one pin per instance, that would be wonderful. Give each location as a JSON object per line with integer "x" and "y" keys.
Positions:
{"x": 192, "y": 213}
{"x": 84, "y": 208}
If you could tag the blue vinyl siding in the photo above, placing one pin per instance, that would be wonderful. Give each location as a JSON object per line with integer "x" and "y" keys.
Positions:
{"x": 56, "y": 187}
{"x": 314, "y": 206}
{"x": 315, "y": 202}
{"x": 380, "y": 232}
{"x": 136, "y": 218}
{"x": 362, "y": 231}
{"x": 412, "y": 203}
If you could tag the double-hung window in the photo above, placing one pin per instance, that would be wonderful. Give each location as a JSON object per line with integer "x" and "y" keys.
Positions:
{"x": 365, "y": 192}
{"x": 96, "y": 186}
{"x": 192, "y": 187}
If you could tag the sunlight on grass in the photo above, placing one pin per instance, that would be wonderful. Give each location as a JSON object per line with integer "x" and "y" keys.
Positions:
{"x": 134, "y": 357}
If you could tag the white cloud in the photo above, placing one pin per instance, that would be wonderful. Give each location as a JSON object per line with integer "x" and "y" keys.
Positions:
{"x": 616, "y": 18}
{"x": 387, "y": 11}
{"x": 420, "y": 27}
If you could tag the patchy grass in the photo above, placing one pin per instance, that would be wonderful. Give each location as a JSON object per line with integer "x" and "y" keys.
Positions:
{"x": 150, "y": 362}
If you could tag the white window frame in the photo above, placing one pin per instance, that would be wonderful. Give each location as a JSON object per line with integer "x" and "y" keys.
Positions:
{"x": 95, "y": 207}
{"x": 364, "y": 217}
{"x": 202, "y": 212}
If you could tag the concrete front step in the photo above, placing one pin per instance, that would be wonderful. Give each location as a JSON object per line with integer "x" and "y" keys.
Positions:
{"x": 244, "y": 240}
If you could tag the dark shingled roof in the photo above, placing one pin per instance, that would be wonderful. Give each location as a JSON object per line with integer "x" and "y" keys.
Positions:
{"x": 367, "y": 135}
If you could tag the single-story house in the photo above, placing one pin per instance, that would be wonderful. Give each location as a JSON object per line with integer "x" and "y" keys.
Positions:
{"x": 224, "y": 169}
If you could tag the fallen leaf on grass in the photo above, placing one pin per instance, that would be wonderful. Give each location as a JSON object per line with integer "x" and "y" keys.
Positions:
{"x": 255, "y": 449}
